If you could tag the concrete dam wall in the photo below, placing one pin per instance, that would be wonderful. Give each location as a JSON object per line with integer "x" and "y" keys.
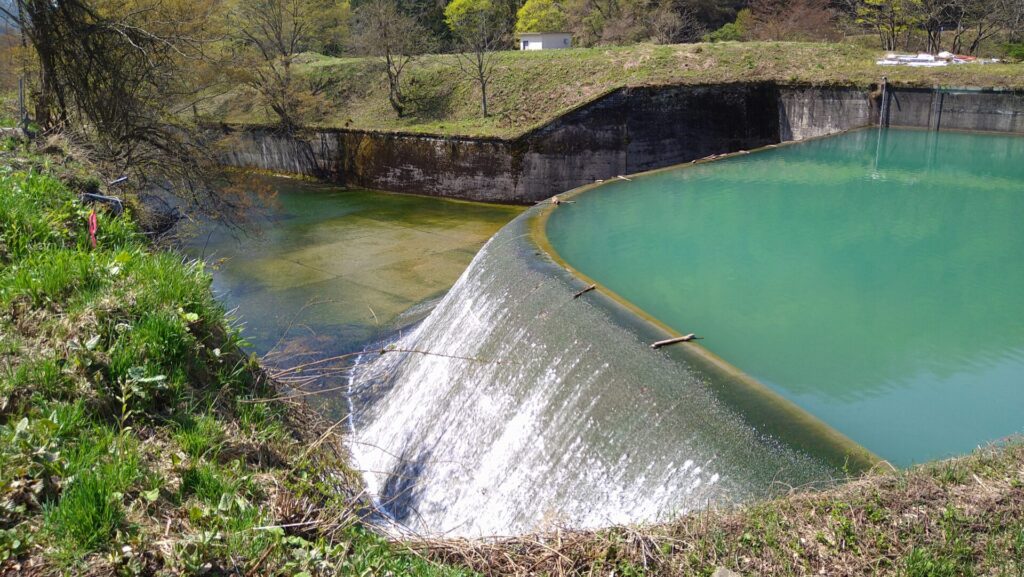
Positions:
{"x": 626, "y": 131}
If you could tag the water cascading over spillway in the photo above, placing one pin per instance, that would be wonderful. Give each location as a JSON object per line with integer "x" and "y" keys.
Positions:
{"x": 547, "y": 410}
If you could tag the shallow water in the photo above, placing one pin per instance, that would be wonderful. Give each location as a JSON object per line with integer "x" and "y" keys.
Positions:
{"x": 873, "y": 278}
{"x": 335, "y": 269}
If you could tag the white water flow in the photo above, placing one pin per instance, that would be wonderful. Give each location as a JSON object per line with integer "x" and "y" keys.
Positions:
{"x": 564, "y": 416}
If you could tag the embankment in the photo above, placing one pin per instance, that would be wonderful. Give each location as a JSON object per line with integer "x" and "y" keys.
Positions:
{"x": 625, "y": 131}
{"x": 137, "y": 436}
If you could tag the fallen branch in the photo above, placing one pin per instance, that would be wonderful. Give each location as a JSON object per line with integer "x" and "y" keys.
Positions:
{"x": 584, "y": 291}
{"x": 682, "y": 339}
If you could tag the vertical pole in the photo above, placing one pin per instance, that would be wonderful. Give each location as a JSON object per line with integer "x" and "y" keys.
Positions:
{"x": 935, "y": 118}
{"x": 22, "y": 116}
{"x": 883, "y": 107}
{"x": 883, "y": 120}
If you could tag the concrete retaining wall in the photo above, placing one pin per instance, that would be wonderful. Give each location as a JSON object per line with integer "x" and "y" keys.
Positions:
{"x": 992, "y": 111}
{"x": 810, "y": 112}
{"x": 627, "y": 131}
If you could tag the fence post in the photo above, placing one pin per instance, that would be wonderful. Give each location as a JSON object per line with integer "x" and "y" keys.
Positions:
{"x": 22, "y": 115}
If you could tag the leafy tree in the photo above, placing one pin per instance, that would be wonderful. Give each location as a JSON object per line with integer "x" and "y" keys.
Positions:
{"x": 384, "y": 31}
{"x": 713, "y": 14}
{"x": 672, "y": 22}
{"x": 732, "y": 31}
{"x": 982, "y": 20}
{"x": 891, "y": 19}
{"x": 626, "y": 21}
{"x": 114, "y": 76}
{"x": 479, "y": 27}
{"x": 541, "y": 16}
{"x": 271, "y": 34}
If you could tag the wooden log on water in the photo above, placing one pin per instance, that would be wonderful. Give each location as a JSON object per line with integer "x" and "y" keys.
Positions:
{"x": 682, "y": 339}
{"x": 584, "y": 291}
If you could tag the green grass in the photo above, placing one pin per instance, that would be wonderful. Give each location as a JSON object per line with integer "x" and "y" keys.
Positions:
{"x": 87, "y": 515}
{"x": 124, "y": 403}
{"x": 531, "y": 88}
{"x": 207, "y": 483}
{"x": 199, "y": 436}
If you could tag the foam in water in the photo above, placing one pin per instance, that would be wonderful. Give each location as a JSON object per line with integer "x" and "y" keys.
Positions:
{"x": 554, "y": 413}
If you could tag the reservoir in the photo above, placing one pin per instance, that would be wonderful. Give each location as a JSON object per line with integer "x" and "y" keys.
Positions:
{"x": 873, "y": 278}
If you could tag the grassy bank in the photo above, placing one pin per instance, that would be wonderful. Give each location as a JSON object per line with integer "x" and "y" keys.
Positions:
{"x": 531, "y": 88}
{"x": 136, "y": 437}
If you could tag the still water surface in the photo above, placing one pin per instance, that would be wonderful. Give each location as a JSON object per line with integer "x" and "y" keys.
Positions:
{"x": 332, "y": 270}
{"x": 874, "y": 278}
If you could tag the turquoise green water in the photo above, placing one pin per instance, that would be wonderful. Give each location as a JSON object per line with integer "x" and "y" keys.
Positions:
{"x": 875, "y": 279}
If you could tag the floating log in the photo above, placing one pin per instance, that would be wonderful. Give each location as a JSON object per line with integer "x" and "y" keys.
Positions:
{"x": 584, "y": 291}
{"x": 682, "y": 339}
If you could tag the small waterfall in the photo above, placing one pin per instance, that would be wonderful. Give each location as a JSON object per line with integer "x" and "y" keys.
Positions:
{"x": 547, "y": 411}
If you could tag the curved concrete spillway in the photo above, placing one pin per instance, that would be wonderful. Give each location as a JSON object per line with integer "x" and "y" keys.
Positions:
{"x": 525, "y": 408}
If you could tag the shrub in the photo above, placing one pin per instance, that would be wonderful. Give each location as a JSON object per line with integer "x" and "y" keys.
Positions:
{"x": 1015, "y": 51}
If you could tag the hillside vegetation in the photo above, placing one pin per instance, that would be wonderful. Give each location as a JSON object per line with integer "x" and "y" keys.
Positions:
{"x": 531, "y": 88}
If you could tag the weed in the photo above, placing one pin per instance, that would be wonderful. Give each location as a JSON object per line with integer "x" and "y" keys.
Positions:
{"x": 206, "y": 482}
{"x": 200, "y": 437}
{"x": 88, "y": 513}
{"x": 923, "y": 562}
{"x": 951, "y": 473}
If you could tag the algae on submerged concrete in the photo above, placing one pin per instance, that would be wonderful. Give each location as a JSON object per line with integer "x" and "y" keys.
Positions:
{"x": 344, "y": 267}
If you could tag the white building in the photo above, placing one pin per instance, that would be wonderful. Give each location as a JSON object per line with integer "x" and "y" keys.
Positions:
{"x": 544, "y": 40}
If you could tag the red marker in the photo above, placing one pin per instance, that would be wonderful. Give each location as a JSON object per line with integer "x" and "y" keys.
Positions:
{"x": 93, "y": 227}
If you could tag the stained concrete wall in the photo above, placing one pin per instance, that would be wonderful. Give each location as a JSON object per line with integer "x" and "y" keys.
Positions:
{"x": 952, "y": 109}
{"x": 639, "y": 129}
{"x": 626, "y": 131}
{"x": 810, "y": 112}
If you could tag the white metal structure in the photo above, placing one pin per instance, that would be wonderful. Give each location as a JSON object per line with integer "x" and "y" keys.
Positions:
{"x": 544, "y": 40}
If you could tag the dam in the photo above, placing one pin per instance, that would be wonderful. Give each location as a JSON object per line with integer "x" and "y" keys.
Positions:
{"x": 520, "y": 404}
{"x": 857, "y": 298}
